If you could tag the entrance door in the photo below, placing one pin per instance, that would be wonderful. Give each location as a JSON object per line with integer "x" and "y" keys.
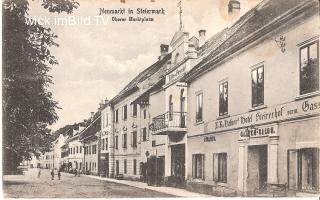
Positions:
{"x": 117, "y": 167}
{"x": 308, "y": 169}
{"x": 257, "y": 167}
{"x": 178, "y": 160}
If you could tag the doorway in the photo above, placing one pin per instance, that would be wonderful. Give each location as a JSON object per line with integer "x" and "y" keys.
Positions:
{"x": 117, "y": 167}
{"x": 257, "y": 167}
{"x": 178, "y": 160}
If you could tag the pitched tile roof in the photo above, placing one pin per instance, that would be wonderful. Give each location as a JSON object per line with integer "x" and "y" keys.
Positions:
{"x": 228, "y": 40}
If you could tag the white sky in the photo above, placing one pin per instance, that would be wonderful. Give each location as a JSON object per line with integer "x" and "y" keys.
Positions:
{"x": 96, "y": 62}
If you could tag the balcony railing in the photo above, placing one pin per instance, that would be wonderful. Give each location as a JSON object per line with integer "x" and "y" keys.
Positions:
{"x": 174, "y": 120}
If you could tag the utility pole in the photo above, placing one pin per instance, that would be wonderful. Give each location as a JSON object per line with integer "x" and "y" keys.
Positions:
{"x": 180, "y": 15}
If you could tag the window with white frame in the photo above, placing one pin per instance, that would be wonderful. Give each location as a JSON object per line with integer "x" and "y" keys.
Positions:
{"x": 309, "y": 68}
{"x": 198, "y": 166}
{"x": 199, "y": 107}
{"x": 220, "y": 167}
{"x": 223, "y": 98}
{"x": 257, "y": 80}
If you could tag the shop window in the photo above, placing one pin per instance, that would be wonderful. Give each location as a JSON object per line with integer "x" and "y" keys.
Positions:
{"x": 124, "y": 112}
{"x": 125, "y": 166}
{"x": 199, "y": 104}
{"x": 309, "y": 68}
{"x": 124, "y": 141}
{"x": 220, "y": 167}
{"x": 257, "y": 76}
{"x": 116, "y": 142}
{"x": 134, "y": 166}
{"x": 303, "y": 169}
{"x": 144, "y": 134}
{"x": 134, "y": 139}
{"x": 198, "y": 166}
{"x": 223, "y": 98}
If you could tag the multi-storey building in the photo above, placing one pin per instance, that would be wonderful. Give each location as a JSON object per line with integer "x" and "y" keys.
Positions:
{"x": 106, "y": 141}
{"x": 90, "y": 139}
{"x": 75, "y": 154}
{"x": 253, "y": 104}
{"x": 57, "y": 144}
{"x": 47, "y": 159}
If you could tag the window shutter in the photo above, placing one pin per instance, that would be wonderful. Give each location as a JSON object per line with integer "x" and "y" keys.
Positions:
{"x": 215, "y": 167}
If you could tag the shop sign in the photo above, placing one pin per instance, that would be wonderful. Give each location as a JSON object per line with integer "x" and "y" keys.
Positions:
{"x": 271, "y": 114}
{"x": 210, "y": 138}
{"x": 255, "y": 132}
{"x": 176, "y": 73}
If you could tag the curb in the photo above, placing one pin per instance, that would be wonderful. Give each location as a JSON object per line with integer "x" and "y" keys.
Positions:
{"x": 167, "y": 190}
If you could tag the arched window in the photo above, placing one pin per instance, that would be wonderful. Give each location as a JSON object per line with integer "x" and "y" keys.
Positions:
{"x": 170, "y": 108}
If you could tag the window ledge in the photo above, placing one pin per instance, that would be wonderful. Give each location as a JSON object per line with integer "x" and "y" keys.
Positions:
{"x": 223, "y": 116}
{"x": 258, "y": 108}
{"x": 308, "y": 95}
{"x": 198, "y": 123}
{"x": 221, "y": 184}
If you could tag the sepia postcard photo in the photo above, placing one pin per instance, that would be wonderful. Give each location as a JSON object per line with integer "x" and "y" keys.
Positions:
{"x": 160, "y": 98}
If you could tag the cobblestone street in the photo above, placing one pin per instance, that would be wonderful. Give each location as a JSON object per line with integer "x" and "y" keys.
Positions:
{"x": 30, "y": 186}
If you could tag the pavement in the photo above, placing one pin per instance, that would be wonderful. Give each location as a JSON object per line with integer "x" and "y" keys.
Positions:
{"x": 167, "y": 190}
{"x": 30, "y": 186}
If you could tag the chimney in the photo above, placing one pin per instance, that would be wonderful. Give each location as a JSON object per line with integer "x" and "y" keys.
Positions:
{"x": 101, "y": 104}
{"x": 164, "y": 50}
{"x": 202, "y": 37}
{"x": 92, "y": 115}
{"x": 233, "y": 6}
{"x": 106, "y": 101}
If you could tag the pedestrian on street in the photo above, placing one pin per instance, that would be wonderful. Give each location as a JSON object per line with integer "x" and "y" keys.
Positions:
{"x": 79, "y": 172}
{"x": 59, "y": 174}
{"x": 75, "y": 172}
{"x": 39, "y": 172}
{"x": 52, "y": 174}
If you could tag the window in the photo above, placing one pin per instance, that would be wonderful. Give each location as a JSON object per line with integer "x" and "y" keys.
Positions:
{"x": 309, "y": 68}
{"x": 124, "y": 140}
{"x": 94, "y": 149}
{"x": 199, "y": 104}
{"x": 134, "y": 139}
{"x": 124, "y": 166}
{"x": 153, "y": 143}
{"x": 77, "y": 149}
{"x": 106, "y": 143}
{"x": 124, "y": 112}
{"x": 134, "y": 109}
{"x": 223, "y": 98}
{"x": 103, "y": 144}
{"x": 116, "y": 142}
{"x": 144, "y": 134}
{"x": 80, "y": 149}
{"x": 198, "y": 166}
{"x": 134, "y": 166}
{"x": 220, "y": 167}
{"x": 257, "y": 76}
{"x": 144, "y": 114}
{"x": 170, "y": 108}
{"x": 116, "y": 116}
{"x": 89, "y": 147}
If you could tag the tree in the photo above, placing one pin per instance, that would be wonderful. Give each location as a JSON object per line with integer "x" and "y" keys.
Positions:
{"x": 28, "y": 106}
